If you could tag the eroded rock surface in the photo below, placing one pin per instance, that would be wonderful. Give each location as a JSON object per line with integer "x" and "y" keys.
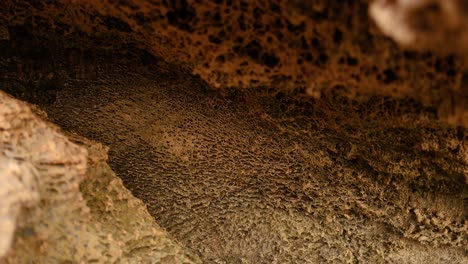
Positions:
{"x": 48, "y": 217}
{"x": 251, "y": 178}
{"x": 307, "y": 135}
{"x": 306, "y": 48}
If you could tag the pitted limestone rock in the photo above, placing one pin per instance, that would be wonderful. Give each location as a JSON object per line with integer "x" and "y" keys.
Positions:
{"x": 305, "y": 48}
{"x": 47, "y": 216}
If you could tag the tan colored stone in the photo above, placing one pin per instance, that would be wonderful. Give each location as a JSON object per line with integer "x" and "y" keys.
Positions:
{"x": 55, "y": 208}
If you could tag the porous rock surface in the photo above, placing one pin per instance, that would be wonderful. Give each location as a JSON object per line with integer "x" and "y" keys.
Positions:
{"x": 45, "y": 218}
{"x": 327, "y": 143}
{"x": 306, "y": 48}
{"x": 243, "y": 180}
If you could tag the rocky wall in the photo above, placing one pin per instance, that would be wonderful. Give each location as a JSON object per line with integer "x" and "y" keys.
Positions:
{"x": 306, "y": 48}
{"x": 252, "y": 131}
{"x": 60, "y": 201}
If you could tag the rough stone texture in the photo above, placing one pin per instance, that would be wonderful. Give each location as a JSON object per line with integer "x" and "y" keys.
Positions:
{"x": 251, "y": 178}
{"x": 19, "y": 177}
{"x": 306, "y": 48}
{"x": 51, "y": 220}
{"x": 363, "y": 170}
